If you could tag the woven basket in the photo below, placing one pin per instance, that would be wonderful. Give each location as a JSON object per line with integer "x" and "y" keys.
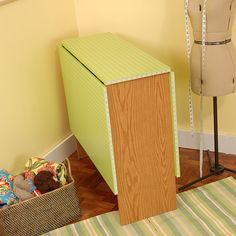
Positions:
{"x": 42, "y": 214}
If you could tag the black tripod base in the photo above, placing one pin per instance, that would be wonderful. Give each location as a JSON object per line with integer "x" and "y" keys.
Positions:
{"x": 216, "y": 168}
{"x": 230, "y": 170}
{"x": 214, "y": 171}
{"x": 219, "y": 169}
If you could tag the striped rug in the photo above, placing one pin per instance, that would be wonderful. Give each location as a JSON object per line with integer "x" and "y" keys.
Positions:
{"x": 207, "y": 210}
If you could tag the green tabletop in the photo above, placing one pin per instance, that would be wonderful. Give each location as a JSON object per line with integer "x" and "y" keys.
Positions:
{"x": 113, "y": 59}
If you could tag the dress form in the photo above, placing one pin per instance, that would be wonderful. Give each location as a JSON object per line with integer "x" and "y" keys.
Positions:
{"x": 220, "y": 56}
{"x": 212, "y": 62}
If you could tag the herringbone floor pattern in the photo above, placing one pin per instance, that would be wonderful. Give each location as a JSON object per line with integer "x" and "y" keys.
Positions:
{"x": 96, "y": 197}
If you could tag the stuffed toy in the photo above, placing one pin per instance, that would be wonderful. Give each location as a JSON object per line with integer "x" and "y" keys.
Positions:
{"x": 44, "y": 182}
{"x": 22, "y": 188}
{"x": 36, "y": 164}
{"x": 7, "y": 197}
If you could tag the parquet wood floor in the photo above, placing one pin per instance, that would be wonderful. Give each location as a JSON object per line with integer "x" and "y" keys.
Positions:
{"x": 96, "y": 197}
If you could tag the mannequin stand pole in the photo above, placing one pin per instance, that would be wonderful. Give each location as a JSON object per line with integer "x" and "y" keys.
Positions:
{"x": 216, "y": 169}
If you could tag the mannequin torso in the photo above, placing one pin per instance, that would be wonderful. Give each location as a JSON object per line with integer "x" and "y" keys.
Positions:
{"x": 219, "y": 76}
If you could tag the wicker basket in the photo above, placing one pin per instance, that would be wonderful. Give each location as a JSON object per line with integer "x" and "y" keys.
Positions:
{"x": 42, "y": 214}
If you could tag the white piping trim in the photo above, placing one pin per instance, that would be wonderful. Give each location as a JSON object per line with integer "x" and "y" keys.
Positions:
{"x": 175, "y": 130}
{"x": 137, "y": 77}
{"x": 113, "y": 166}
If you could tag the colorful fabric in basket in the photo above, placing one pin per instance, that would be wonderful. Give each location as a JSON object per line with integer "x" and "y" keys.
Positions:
{"x": 7, "y": 197}
{"x": 36, "y": 164}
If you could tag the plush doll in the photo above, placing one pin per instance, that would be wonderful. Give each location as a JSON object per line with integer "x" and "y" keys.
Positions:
{"x": 36, "y": 164}
{"x": 23, "y": 189}
{"x": 44, "y": 182}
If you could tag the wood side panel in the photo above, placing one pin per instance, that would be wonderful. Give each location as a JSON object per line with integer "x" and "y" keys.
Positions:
{"x": 141, "y": 123}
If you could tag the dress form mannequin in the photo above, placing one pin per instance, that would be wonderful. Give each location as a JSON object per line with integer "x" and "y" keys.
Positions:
{"x": 220, "y": 56}
{"x": 212, "y": 59}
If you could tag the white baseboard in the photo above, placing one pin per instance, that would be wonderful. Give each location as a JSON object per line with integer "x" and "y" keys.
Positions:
{"x": 62, "y": 150}
{"x": 227, "y": 144}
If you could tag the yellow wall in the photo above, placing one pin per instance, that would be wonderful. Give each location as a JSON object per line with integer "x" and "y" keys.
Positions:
{"x": 33, "y": 115}
{"x": 157, "y": 26}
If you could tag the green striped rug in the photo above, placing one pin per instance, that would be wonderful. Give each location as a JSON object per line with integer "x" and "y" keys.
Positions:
{"x": 207, "y": 210}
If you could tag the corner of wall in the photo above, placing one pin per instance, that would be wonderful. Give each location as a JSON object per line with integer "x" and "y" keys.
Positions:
{"x": 76, "y": 4}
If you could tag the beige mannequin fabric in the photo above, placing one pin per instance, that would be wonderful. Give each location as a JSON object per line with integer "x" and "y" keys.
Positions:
{"x": 220, "y": 60}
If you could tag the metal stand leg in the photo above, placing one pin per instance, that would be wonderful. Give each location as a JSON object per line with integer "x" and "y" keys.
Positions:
{"x": 215, "y": 169}
{"x": 230, "y": 170}
{"x": 209, "y": 158}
